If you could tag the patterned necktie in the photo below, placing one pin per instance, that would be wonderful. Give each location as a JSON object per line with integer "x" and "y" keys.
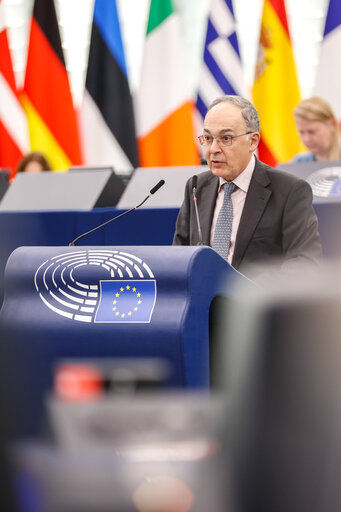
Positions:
{"x": 222, "y": 233}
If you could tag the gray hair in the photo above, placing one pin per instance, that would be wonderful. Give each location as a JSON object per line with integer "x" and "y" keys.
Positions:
{"x": 249, "y": 112}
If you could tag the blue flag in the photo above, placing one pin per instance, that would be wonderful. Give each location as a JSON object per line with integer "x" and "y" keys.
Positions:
{"x": 328, "y": 76}
{"x": 126, "y": 301}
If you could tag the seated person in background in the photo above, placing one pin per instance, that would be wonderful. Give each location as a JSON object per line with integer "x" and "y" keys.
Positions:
{"x": 263, "y": 214}
{"x": 33, "y": 162}
{"x": 318, "y": 130}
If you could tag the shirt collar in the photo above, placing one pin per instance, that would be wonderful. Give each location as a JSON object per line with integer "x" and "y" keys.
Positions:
{"x": 244, "y": 178}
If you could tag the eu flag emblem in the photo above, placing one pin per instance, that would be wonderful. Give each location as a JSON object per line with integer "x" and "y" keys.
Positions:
{"x": 126, "y": 301}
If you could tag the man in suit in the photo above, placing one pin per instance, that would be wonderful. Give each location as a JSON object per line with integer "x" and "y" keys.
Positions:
{"x": 272, "y": 214}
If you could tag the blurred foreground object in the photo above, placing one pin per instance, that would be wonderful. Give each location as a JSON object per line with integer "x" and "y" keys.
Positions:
{"x": 152, "y": 453}
{"x": 285, "y": 383}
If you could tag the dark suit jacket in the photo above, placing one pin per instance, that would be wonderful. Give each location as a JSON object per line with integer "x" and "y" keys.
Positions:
{"x": 278, "y": 221}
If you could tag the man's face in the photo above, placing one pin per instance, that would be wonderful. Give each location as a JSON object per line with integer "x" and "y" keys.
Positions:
{"x": 229, "y": 161}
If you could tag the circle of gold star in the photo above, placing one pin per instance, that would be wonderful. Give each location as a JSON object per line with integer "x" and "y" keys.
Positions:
{"x": 122, "y": 290}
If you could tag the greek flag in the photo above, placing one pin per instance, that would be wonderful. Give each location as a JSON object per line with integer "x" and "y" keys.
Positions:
{"x": 328, "y": 76}
{"x": 126, "y": 301}
{"x": 221, "y": 71}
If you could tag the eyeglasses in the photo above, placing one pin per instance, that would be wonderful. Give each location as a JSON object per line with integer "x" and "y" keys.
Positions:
{"x": 225, "y": 140}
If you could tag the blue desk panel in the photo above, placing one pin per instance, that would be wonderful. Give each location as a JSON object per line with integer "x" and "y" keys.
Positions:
{"x": 105, "y": 302}
{"x": 329, "y": 219}
{"x": 141, "y": 227}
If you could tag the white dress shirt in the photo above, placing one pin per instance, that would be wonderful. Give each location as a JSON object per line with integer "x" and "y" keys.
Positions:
{"x": 238, "y": 199}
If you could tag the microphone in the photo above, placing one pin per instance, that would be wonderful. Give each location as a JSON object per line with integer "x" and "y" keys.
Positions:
{"x": 194, "y": 190}
{"x": 154, "y": 189}
{"x": 151, "y": 192}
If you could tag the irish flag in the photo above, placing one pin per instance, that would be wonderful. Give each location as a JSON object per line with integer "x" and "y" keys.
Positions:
{"x": 163, "y": 104}
{"x": 275, "y": 90}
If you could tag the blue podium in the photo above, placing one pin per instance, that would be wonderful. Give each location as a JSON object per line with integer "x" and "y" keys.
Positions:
{"x": 105, "y": 302}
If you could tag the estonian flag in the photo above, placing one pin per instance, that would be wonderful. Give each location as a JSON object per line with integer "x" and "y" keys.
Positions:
{"x": 107, "y": 110}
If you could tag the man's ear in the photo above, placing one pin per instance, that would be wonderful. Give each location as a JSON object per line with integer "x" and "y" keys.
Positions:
{"x": 254, "y": 140}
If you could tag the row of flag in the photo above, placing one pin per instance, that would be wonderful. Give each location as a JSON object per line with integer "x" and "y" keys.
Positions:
{"x": 158, "y": 128}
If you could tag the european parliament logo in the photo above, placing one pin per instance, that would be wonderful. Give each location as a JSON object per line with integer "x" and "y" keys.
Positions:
{"x": 97, "y": 286}
{"x": 326, "y": 182}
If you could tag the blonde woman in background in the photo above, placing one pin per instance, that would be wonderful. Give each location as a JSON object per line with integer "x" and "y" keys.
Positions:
{"x": 318, "y": 130}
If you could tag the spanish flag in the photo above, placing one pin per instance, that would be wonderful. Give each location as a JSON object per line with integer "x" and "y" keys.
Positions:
{"x": 47, "y": 96}
{"x": 13, "y": 125}
{"x": 163, "y": 103}
{"x": 275, "y": 90}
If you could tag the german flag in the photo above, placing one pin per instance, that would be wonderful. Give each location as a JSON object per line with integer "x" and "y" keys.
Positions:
{"x": 47, "y": 96}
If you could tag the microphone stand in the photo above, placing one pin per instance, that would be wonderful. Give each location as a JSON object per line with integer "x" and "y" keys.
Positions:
{"x": 194, "y": 189}
{"x": 152, "y": 191}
